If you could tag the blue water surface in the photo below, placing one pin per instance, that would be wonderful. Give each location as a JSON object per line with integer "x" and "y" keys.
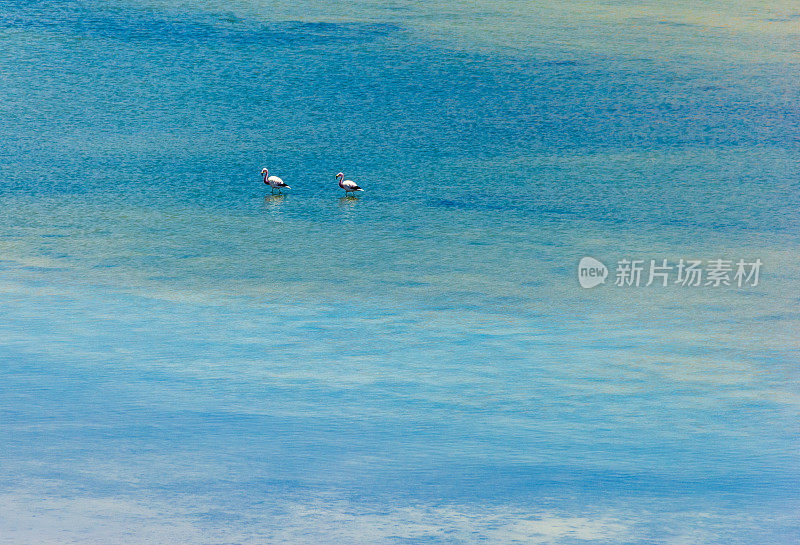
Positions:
{"x": 186, "y": 358}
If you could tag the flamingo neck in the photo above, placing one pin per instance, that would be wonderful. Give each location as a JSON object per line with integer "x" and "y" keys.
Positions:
{"x": 266, "y": 174}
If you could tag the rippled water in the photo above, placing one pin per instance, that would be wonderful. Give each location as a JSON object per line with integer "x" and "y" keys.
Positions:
{"x": 186, "y": 358}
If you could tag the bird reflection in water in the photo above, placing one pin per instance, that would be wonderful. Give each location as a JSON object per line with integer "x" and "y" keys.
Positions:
{"x": 271, "y": 201}
{"x": 348, "y": 202}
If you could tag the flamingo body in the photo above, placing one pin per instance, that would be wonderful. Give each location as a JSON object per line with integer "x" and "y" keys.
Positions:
{"x": 347, "y": 185}
{"x": 273, "y": 181}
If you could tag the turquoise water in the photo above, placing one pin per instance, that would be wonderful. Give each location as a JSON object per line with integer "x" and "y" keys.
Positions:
{"x": 185, "y": 358}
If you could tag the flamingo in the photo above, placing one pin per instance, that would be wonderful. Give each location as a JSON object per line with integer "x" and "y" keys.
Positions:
{"x": 273, "y": 181}
{"x": 347, "y": 185}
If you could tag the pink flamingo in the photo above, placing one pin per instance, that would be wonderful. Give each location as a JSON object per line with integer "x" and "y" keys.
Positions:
{"x": 347, "y": 185}
{"x": 273, "y": 181}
